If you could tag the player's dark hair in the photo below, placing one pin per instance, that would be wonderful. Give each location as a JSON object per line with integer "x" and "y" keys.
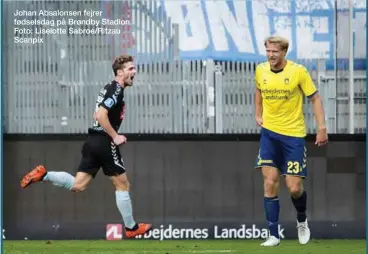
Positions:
{"x": 119, "y": 63}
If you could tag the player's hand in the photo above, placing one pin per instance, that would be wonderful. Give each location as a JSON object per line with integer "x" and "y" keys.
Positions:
{"x": 322, "y": 137}
{"x": 259, "y": 121}
{"x": 120, "y": 139}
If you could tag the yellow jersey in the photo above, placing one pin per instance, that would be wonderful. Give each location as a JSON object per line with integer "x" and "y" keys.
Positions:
{"x": 282, "y": 97}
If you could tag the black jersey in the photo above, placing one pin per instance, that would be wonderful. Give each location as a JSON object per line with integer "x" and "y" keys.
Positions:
{"x": 111, "y": 97}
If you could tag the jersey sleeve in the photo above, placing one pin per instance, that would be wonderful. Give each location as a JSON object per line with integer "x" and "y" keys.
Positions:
{"x": 257, "y": 77}
{"x": 306, "y": 83}
{"x": 108, "y": 100}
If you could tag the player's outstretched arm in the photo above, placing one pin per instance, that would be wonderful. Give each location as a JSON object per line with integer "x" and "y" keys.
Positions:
{"x": 319, "y": 114}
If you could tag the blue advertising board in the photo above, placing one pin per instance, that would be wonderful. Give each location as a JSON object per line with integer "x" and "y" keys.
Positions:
{"x": 236, "y": 29}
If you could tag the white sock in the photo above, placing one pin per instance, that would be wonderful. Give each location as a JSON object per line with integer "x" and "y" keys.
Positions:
{"x": 60, "y": 179}
{"x": 124, "y": 205}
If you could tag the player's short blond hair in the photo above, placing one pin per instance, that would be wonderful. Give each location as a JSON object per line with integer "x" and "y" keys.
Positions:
{"x": 283, "y": 42}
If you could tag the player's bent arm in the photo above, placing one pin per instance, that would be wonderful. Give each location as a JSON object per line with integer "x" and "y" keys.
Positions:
{"x": 103, "y": 119}
{"x": 318, "y": 110}
{"x": 258, "y": 103}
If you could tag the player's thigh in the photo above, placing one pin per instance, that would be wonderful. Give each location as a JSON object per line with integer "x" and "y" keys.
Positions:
{"x": 268, "y": 155}
{"x": 89, "y": 162}
{"x": 294, "y": 157}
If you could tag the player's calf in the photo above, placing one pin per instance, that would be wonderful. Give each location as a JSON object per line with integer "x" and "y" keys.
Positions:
{"x": 299, "y": 199}
{"x": 271, "y": 203}
{"x": 121, "y": 182}
{"x": 298, "y": 196}
{"x": 59, "y": 179}
{"x": 124, "y": 204}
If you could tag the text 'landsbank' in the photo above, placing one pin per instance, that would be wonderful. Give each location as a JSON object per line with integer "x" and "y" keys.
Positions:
{"x": 214, "y": 232}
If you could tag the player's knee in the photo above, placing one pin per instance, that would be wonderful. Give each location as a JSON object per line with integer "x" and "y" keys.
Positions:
{"x": 123, "y": 186}
{"x": 81, "y": 181}
{"x": 121, "y": 183}
{"x": 295, "y": 186}
{"x": 271, "y": 186}
{"x": 295, "y": 190}
{"x": 79, "y": 187}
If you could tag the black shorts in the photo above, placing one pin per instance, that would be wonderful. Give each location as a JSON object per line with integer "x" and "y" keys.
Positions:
{"x": 99, "y": 151}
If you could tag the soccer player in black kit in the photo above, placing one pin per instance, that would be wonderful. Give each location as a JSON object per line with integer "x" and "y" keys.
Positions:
{"x": 100, "y": 150}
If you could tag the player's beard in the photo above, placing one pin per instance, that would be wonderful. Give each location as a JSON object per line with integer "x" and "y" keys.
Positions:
{"x": 272, "y": 61}
{"x": 129, "y": 81}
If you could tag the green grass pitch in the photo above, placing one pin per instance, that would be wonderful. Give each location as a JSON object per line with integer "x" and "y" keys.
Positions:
{"x": 183, "y": 246}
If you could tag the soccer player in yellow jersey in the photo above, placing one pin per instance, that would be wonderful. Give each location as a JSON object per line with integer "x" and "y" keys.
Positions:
{"x": 280, "y": 87}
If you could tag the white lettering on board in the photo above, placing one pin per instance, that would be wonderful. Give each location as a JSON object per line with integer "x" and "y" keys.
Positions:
{"x": 221, "y": 20}
{"x": 197, "y": 37}
{"x": 307, "y": 47}
{"x": 260, "y": 17}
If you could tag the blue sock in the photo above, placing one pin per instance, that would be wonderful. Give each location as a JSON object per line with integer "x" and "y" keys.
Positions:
{"x": 125, "y": 207}
{"x": 60, "y": 179}
{"x": 272, "y": 209}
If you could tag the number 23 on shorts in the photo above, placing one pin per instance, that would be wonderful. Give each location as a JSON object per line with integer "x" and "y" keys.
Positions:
{"x": 294, "y": 167}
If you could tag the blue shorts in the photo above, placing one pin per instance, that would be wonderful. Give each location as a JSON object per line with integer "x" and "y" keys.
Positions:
{"x": 288, "y": 154}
